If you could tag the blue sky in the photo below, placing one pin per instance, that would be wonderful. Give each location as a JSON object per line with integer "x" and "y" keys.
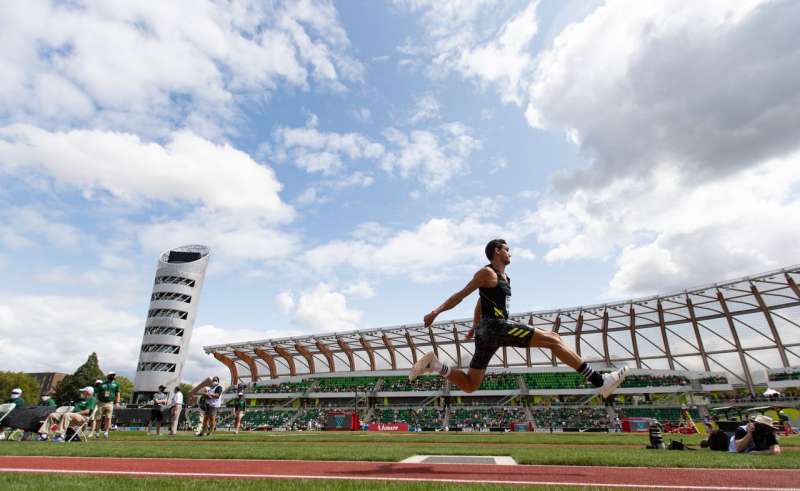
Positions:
{"x": 347, "y": 161}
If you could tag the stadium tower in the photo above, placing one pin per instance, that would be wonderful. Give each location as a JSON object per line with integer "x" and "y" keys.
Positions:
{"x": 170, "y": 318}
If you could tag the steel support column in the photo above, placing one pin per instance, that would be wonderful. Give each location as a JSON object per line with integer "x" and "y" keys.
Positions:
{"x": 556, "y": 327}
{"x": 231, "y": 366}
{"x": 251, "y": 364}
{"x": 792, "y": 285}
{"x": 288, "y": 357}
{"x": 328, "y": 354}
{"x": 606, "y": 355}
{"x": 269, "y": 360}
{"x": 307, "y": 356}
{"x": 528, "y": 347}
{"x": 634, "y": 342}
{"x": 457, "y": 343}
{"x": 413, "y": 347}
{"x": 370, "y": 352}
{"x": 696, "y": 326}
{"x": 347, "y": 351}
{"x": 433, "y": 342}
{"x": 748, "y": 377}
{"x": 667, "y": 350}
{"x": 775, "y": 336}
{"x": 390, "y": 349}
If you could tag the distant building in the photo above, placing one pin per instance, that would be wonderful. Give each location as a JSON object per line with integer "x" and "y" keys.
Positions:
{"x": 48, "y": 381}
{"x": 170, "y": 318}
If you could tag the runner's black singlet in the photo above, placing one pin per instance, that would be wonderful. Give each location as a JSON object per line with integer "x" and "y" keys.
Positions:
{"x": 495, "y": 301}
{"x": 495, "y": 329}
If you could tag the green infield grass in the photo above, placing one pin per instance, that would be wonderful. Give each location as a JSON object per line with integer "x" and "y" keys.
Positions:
{"x": 36, "y": 482}
{"x": 525, "y": 448}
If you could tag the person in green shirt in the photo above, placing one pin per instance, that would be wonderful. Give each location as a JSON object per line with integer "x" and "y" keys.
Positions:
{"x": 16, "y": 398}
{"x": 108, "y": 396}
{"x": 57, "y": 423}
{"x": 48, "y": 401}
{"x": 239, "y": 405}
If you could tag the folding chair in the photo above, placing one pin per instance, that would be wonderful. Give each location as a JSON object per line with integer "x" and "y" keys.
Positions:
{"x": 80, "y": 430}
{"x": 5, "y": 410}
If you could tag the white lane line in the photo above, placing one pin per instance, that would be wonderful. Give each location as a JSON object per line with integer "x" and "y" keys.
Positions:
{"x": 387, "y": 478}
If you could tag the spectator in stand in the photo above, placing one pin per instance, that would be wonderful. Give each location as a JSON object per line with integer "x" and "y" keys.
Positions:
{"x": 213, "y": 403}
{"x": 757, "y": 437}
{"x": 177, "y": 405}
{"x": 47, "y": 401}
{"x": 108, "y": 396}
{"x": 238, "y": 409}
{"x": 157, "y": 412}
{"x": 77, "y": 417}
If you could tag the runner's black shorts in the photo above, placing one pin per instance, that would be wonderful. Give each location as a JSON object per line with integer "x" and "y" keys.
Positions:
{"x": 491, "y": 334}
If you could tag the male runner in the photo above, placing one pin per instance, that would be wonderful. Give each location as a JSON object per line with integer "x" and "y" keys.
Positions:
{"x": 492, "y": 329}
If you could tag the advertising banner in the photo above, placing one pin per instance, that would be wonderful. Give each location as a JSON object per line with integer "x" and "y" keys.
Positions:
{"x": 388, "y": 427}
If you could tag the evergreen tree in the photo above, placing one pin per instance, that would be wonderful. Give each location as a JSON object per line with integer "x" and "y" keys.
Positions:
{"x": 125, "y": 388}
{"x": 86, "y": 374}
{"x": 12, "y": 380}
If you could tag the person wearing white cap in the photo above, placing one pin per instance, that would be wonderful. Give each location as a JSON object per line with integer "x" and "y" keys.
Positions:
{"x": 756, "y": 437}
{"x": 47, "y": 401}
{"x": 16, "y": 397}
{"x": 57, "y": 423}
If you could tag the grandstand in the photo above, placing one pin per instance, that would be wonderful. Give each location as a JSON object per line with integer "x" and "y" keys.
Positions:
{"x": 708, "y": 345}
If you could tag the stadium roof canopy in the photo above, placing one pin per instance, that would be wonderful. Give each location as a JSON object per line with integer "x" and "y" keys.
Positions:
{"x": 738, "y": 326}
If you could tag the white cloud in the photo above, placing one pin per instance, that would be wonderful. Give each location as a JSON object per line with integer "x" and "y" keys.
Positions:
{"x": 316, "y": 151}
{"x": 187, "y": 169}
{"x": 50, "y": 333}
{"x": 426, "y": 107}
{"x": 710, "y": 88}
{"x": 360, "y": 289}
{"x": 484, "y": 40}
{"x": 424, "y": 254}
{"x": 320, "y": 309}
{"x": 433, "y": 158}
{"x": 152, "y": 66}
{"x": 233, "y": 238}
{"x": 27, "y": 226}
{"x": 505, "y": 59}
{"x": 362, "y": 114}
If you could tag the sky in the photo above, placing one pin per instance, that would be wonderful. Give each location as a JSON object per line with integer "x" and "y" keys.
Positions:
{"x": 346, "y": 162}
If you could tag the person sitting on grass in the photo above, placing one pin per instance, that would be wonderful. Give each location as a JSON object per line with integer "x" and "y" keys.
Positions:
{"x": 62, "y": 421}
{"x": 756, "y": 437}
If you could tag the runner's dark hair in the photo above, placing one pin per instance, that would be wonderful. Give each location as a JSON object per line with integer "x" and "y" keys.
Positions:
{"x": 492, "y": 245}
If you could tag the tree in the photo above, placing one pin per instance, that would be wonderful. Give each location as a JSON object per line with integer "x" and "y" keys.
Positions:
{"x": 185, "y": 389}
{"x": 69, "y": 387}
{"x": 29, "y": 385}
{"x": 125, "y": 388}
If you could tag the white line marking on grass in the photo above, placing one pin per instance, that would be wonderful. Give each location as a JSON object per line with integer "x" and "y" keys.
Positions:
{"x": 387, "y": 478}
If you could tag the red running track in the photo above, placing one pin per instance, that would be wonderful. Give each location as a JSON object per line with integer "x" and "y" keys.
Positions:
{"x": 617, "y": 477}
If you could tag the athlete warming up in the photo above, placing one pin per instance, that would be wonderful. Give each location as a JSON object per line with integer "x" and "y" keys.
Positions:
{"x": 492, "y": 329}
